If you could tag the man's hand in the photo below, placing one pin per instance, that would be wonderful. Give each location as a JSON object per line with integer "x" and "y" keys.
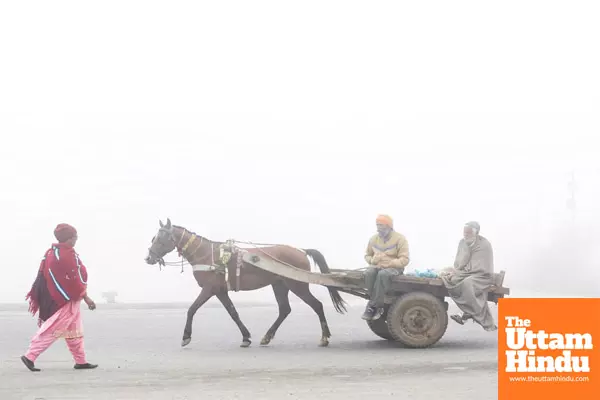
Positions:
{"x": 375, "y": 259}
{"x": 385, "y": 263}
{"x": 90, "y": 303}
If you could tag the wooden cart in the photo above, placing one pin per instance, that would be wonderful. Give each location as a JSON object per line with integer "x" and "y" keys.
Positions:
{"x": 416, "y": 312}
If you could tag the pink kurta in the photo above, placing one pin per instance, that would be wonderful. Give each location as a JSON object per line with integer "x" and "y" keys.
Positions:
{"x": 65, "y": 323}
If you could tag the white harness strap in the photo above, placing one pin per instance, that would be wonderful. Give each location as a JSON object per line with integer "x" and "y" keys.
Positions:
{"x": 227, "y": 279}
{"x": 202, "y": 267}
{"x": 238, "y": 266}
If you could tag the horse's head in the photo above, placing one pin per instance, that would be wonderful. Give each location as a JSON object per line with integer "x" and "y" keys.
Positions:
{"x": 162, "y": 244}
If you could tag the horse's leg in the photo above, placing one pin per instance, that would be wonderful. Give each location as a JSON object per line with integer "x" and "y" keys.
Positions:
{"x": 302, "y": 290}
{"x": 205, "y": 294}
{"x": 228, "y": 304}
{"x": 281, "y": 295}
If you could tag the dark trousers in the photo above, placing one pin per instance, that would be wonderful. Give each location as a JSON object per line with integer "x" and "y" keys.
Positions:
{"x": 378, "y": 282}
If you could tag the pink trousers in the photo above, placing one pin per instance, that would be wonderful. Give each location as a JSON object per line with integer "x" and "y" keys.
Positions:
{"x": 65, "y": 323}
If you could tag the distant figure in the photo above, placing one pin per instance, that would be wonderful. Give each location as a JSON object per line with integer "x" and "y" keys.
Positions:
{"x": 387, "y": 255}
{"x": 472, "y": 274}
{"x": 110, "y": 297}
{"x": 57, "y": 292}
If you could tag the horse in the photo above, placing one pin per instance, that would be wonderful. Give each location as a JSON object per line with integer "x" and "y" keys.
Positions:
{"x": 205, "y": 255}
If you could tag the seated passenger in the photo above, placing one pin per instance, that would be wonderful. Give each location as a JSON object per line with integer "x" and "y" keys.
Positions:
{"x": 472, "y": 274}
{"x": 387, "y": 255}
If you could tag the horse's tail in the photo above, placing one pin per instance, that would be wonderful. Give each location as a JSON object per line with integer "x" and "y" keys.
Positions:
{"x": 319, "y": 259}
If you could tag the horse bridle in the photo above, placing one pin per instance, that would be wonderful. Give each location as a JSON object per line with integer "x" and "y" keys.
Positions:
{"x": 180, "y": 250}
{"x": 159, "y": 257}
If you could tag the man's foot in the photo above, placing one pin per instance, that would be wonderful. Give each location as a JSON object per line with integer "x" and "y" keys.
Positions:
{"x": 491, "y": 328}
{"x": 85, "y": 366}
{"x": 377, "y": 313}
{"x": 458, "y": 319}
{"x": 368, "y": 314}
{"x": 29, "y": 364}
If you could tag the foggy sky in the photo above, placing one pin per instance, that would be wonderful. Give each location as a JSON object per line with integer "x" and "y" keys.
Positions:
{"x": 298, "y": 123}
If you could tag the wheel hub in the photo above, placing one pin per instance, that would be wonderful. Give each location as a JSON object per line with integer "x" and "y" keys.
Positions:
{"x": 417, "y": 321}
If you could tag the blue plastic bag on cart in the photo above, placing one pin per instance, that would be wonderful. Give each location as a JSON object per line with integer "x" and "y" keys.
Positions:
{"x": 423, "y": 273}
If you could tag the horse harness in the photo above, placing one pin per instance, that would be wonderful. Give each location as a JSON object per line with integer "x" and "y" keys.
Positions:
{"x": 226, "y": 251}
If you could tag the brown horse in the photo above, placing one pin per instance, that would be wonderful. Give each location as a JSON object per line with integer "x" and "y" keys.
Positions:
{"x": 204, "y": 255}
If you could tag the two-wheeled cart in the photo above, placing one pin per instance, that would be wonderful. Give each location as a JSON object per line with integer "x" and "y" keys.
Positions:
{"x": 416, "y": 311}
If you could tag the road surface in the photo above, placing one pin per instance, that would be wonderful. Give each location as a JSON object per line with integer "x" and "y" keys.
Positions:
{"x": 138, "y": 350}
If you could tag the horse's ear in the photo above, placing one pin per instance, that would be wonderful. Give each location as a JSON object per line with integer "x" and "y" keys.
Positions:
{"x": 161, "y": 224}
{"x": 168, "y": 223}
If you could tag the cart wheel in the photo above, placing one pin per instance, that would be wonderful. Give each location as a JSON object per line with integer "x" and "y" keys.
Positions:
{"x": 417, "y": 319}
{"x": 380, "y": 328}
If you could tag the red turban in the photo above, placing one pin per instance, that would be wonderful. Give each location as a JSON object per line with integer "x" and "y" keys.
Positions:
{"x": 64, "y": 232}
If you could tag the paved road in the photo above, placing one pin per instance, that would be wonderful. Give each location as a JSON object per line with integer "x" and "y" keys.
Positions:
{"x": 140, "y": 358}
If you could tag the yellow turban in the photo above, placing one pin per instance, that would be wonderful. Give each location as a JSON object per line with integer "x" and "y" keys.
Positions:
{"x": 385, "y": 220}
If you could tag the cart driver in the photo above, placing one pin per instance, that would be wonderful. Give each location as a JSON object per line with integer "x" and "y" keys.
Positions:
{"x": 387, "y": 255}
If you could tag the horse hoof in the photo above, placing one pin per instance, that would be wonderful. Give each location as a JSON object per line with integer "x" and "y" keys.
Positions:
{"x": 246, "y": 343}
{"x": 324, "y": 343}
{"x": 265, "y": 341}
{"x": 185, "y": 342}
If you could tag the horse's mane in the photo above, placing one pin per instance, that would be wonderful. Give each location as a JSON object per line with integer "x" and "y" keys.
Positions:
{"x": 194, "y": 233}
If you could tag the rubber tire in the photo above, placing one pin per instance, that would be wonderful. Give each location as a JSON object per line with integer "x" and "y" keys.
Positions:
{"x": 414, "y": 300}
{"x": 380, "y": 327}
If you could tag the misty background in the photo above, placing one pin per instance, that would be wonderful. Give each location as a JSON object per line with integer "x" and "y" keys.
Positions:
{"x": 298, "y": 123}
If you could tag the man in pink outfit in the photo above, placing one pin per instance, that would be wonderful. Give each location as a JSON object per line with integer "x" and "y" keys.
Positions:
{"x": 57, "y": 292}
